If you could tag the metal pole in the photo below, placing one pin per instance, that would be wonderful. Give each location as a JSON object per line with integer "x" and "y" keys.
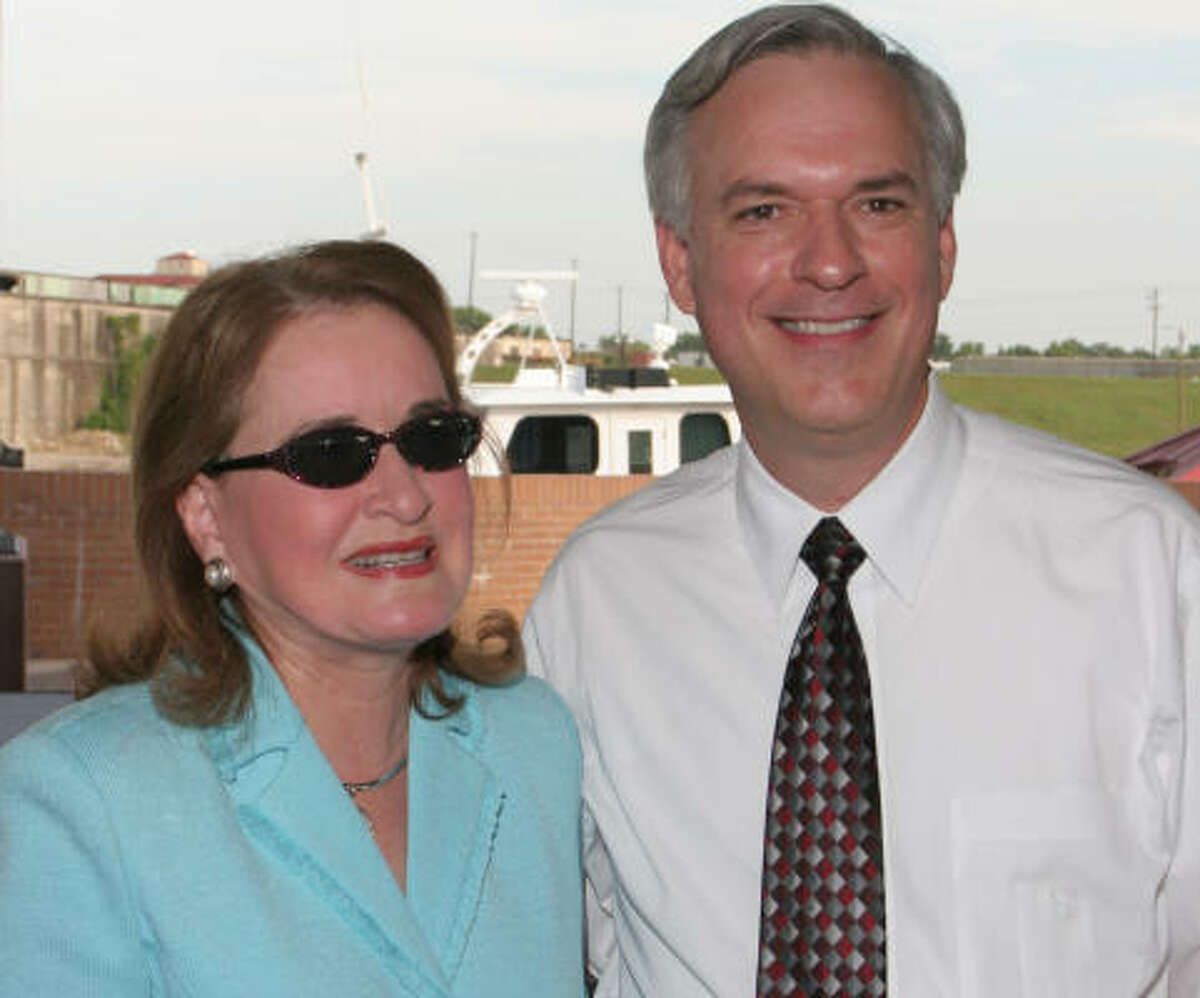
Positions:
{"x": 1179, "y": 385}
{"x": 471, "y": 272}
{"x": 1152, "y": 296}
{"x": 574, "y": 287}
{"x": 620, "y": 324}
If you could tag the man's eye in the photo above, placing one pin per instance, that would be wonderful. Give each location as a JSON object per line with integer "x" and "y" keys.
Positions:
{"x": 882, "y": 206}
{"x": 759, "y": 213}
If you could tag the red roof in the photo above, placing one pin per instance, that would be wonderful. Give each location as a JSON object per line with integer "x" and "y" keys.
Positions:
{"x": 1176, "y": 458}
{"x": 163, "y": 280}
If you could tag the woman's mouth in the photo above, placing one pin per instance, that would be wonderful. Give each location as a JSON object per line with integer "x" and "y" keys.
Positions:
{"x": 406, "y": 559}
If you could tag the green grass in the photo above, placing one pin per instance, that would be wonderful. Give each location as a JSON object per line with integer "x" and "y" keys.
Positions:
{"x": 697, "y": 375}
{"x": 1116, "y": 416}
{"x": 496, "y": 373}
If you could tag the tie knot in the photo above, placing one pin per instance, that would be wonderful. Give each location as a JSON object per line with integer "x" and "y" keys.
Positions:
{"x": 831, "y": 551}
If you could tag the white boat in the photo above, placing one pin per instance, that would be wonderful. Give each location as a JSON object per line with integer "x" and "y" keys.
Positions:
{"x": 551, "y": 420}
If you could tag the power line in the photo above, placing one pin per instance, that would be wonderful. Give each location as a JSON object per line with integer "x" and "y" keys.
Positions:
{"x": 574, "y": 291}
{"x": 1152, "y": 297}
{"x": 471, "y": 272}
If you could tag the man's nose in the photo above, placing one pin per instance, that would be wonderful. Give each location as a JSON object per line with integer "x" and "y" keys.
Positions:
{"x": 828, "y": 254}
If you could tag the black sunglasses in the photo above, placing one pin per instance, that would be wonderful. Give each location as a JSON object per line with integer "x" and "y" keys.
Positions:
{"x": 342, "y": 455}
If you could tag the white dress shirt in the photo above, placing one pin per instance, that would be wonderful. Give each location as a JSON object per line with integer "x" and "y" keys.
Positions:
{"x": 1030, "y": 616}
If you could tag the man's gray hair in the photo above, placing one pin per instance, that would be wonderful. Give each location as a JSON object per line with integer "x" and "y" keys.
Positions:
{"x": 799, "y": 29}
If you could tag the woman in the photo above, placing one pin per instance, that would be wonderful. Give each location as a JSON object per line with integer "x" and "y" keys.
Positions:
{"x": 294, "y": 781}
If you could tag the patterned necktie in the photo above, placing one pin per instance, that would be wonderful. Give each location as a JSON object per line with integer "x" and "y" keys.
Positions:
{"x": 822, "y": 928}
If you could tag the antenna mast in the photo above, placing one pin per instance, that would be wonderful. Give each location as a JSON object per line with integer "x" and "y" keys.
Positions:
{"x": 375, "y": 229}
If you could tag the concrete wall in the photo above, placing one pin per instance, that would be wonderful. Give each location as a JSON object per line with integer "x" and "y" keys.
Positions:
{"x": 54, "y": 356}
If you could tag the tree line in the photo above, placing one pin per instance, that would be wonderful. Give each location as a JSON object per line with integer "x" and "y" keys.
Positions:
{"x": 944, "y": 348}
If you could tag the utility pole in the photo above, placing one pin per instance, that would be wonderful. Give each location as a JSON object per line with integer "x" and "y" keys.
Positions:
{"x": 471, "y": 272}
{"x": 1179, "y": 385}
{"x": 620, "y": 324}
{"x": 574, "y": 288}
{"x": 667, "y": 307}
{"x": 1152, "y": 299}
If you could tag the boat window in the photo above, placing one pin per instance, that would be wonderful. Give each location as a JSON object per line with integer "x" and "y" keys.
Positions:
{"x": 641, "y": 455}
{"x": 554, "y": 445}
{"x": 701, "y": 433}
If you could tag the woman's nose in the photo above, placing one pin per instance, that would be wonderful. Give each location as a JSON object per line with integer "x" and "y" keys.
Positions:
{"x": 397, "y": 486}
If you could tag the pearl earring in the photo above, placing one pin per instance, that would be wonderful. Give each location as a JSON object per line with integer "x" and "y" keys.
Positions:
{"x": 218, "y": 576}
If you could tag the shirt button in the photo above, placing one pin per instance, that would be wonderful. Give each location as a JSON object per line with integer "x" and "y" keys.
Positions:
{"x": 1064, "y": 902}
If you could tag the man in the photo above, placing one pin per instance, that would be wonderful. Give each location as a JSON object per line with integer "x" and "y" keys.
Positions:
{"x": 1018, "y": 773}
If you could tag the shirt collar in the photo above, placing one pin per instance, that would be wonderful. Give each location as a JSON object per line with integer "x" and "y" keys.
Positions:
{"x": 896, "y": 517}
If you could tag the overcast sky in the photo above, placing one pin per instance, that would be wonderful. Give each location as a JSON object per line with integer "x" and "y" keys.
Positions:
{"x": 134, "y": 128}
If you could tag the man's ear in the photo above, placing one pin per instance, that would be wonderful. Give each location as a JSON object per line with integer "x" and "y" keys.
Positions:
{"x": 947, "y": 252}
{"x": 674, "y": 260}
{"x": 196, "y": 507}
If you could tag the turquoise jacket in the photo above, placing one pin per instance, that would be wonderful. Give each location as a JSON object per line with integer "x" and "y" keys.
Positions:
{"x": 138, "y": 857}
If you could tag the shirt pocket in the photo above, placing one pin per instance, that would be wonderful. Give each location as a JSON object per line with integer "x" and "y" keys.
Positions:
{"x": 1029, "y": 868}
{"x": 1056, "y": 940}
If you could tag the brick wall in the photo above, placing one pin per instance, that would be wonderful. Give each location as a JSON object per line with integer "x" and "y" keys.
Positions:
{"x": 79, "y": 525}
{"x": 79, "y": 559}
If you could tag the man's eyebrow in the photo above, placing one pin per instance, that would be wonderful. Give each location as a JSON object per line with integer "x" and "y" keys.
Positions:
{"x": 741, "y": 189}
{"x": 886, "y": 182}
{"x": 752, "y": 189}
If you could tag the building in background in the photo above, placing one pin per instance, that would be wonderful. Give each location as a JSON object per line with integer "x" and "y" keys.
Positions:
{"x": 176, "y": 270}
{"x": 57, "y": 339}
{"x": 514, "y": 348}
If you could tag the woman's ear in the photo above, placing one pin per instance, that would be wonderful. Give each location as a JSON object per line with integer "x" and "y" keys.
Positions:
{"x": 196, "y": 507}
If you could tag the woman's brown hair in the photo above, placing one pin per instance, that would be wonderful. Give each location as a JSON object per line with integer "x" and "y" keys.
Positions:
{"x": 189, "y": 410}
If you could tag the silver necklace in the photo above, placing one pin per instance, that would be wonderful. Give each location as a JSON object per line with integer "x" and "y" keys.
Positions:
{"x": 354, "y": 789}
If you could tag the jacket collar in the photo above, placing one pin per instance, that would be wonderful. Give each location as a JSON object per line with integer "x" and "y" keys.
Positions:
{"x": 291, "y": 803}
